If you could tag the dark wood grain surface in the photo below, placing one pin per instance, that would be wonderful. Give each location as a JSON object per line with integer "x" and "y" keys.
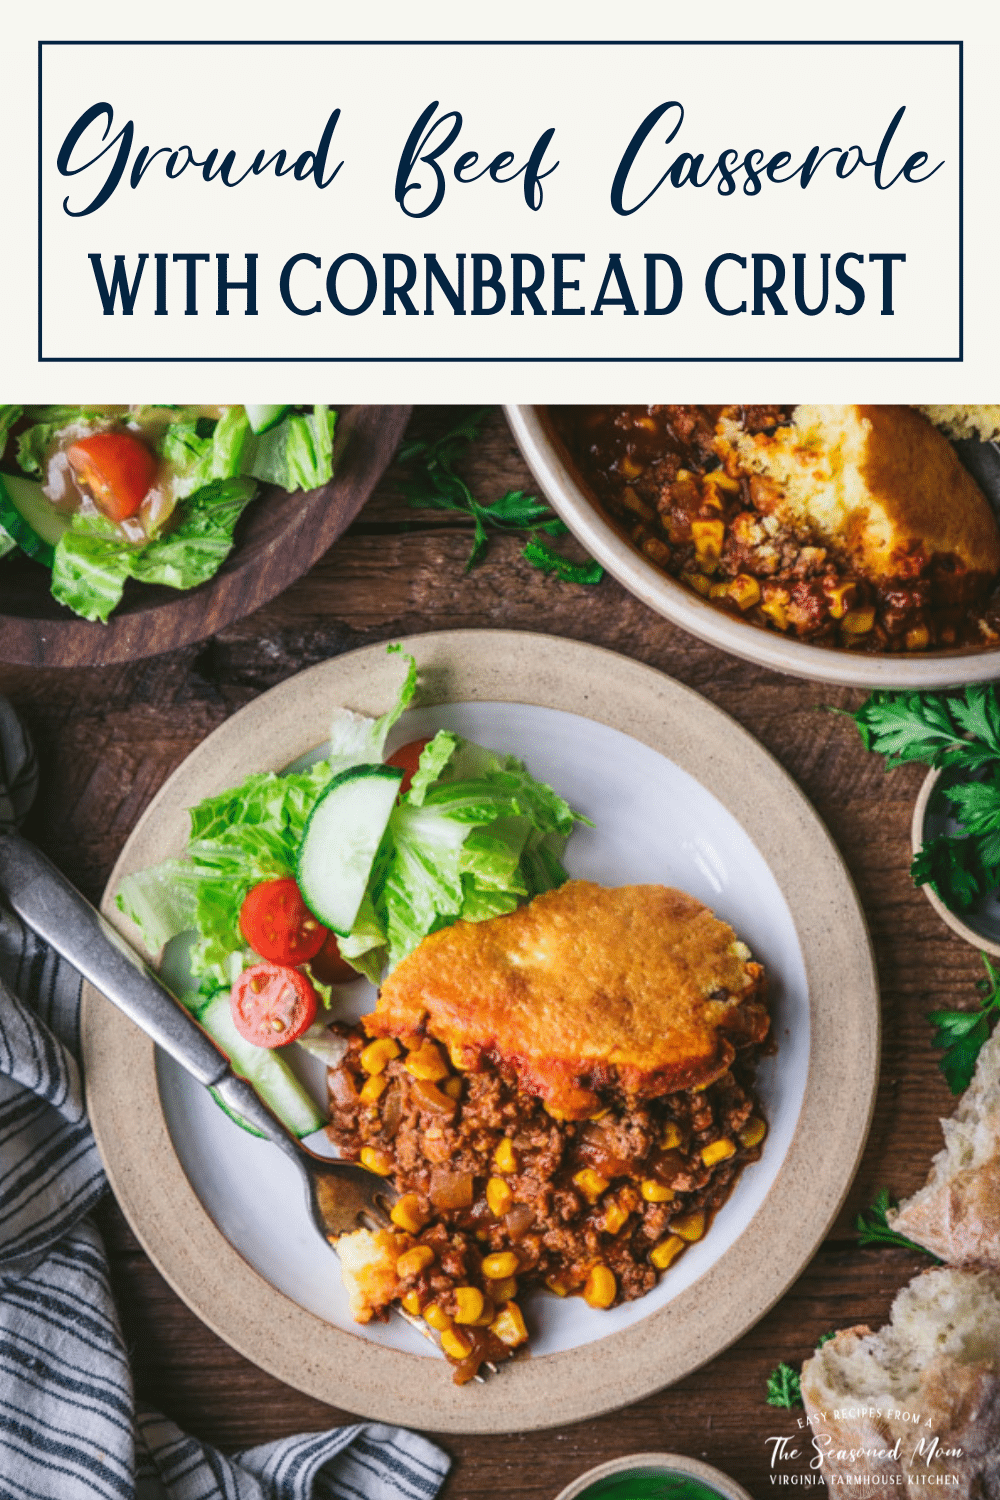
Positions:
{"x": 108, "y": 737}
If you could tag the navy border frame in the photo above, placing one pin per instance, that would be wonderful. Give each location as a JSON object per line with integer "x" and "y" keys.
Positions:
{"x": 537, "y": 359}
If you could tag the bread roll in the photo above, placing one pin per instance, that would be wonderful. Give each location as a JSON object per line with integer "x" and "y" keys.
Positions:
{"x": 877, "y": 483}
{"x": 922, "y": 1395}
{"x": 956, "y": 1214}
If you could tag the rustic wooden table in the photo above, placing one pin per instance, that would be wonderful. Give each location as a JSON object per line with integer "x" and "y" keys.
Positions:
{"x": 108, "y": 738}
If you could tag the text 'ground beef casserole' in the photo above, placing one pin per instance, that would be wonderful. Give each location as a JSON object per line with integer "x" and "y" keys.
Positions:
{"x": 563, "y": 1097}
{"x": 849, "y": 526}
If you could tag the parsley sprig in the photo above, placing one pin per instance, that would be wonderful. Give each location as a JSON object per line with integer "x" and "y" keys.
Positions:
{"x": 961, "y": 1034}
{"x": 873, "y": 1227}
{"x": 784, "y": 1384}
{"x": 433, "y": 484}
{"x": 958, "y": 733}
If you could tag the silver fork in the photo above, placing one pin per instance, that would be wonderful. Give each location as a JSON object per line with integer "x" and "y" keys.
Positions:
{"x": 340, "y": 1194}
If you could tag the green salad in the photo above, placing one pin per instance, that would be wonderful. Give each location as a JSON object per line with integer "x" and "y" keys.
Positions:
{"x": 101, "y": 494}
{"x": 293, "y": 883}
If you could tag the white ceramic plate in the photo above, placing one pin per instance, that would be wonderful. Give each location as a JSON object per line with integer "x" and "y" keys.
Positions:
{"x": 653, "y": 823}
{"x": 678, "y": 795}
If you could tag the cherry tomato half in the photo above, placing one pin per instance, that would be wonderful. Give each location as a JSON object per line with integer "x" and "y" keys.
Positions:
{"x": 407, "y": 759}
{"x": 272, "y": 1004}
{"x": 279, "y": 926}
{"x": 117, "y": 469}
{"x": 328, "y": 966}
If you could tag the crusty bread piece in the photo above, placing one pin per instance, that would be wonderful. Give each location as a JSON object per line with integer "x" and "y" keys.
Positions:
{"x": 932, "y": 1373}
{"x": 956, "y": 1214}
{"x": 878, "y": 483}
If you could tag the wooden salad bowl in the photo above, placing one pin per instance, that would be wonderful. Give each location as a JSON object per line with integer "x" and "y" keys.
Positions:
{"x": 279, "y": 537}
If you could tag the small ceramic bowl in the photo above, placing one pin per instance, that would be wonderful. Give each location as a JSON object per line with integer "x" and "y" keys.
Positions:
{"x": 980, "y": 927}
{"x": 569, "y": 497}
{"x": 667, "y": 1465}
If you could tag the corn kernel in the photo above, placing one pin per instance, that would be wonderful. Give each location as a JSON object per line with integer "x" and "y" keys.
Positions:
{"x": 842, "y": 597}
{"x": 671, "y": 1136}
{"x": 504, "y": 1289}
{"x": 555, "y": 1285}
{"x": 601, "y": 1287}
{"x": 616, "y": 1216}
{"x": 776, "y": 610}
{"x": 502, "y": 1263}
{"x": 753, "y": 1132}
{"x": 655, "y": 1192}
{"x": 504, "y": 1158}
{"x": 656, "y": 551}
{"x": 508, "y": 1325}
{"x": 708, "y": 537}
{"x": 628, "y": 468}
{"x": 590, "y": 1183}
{"x": 690, "y": 1226}
{"x": 427, "y": 1063}
{"x": 667, "y": 1250}
{"x": 411, "y": 1303}
{"x": 376, "y": 1161}
{"x": 555, "y": 1112}
{"x": 469, "y": 1302}
{"x": 721, "y": 478}
{"x": 639, "y": 507}
{"x": 406, "y": 1214}
{"x": 456, "y": 1345}
{"x": 453, "y": 1088}
{"x": 917, "y": 638}
{"x": 488, "y": 1313}
{"x": 744, "y": 591}
{"x": 436, "y": 1317}
{"x": 717, "y": 1151}
{"x": 718, "y": 591}
{"x": 698, "y": 582}
{"x": 377, "y": 1055}
{"x": 373, "y": 1088}
{"x": 457, "y": 1055}
{"x": 499, "y": 1196}
{"x": 859, "y": 621}
{"x": 412, "y": 1262}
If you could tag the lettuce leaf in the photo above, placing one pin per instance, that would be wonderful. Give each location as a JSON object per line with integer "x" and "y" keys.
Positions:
{"x": 297, "y": 454}
{"x": 474, "y": 837}
{"x": 356, "y": 739}
{"x": 92, "y": 563}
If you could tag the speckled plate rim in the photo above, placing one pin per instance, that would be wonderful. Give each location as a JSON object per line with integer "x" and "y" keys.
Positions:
{"x": 389, "y": 1385}
{"x": 562, "y": 489}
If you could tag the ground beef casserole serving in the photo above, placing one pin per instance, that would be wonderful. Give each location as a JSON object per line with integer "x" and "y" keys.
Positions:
{"x": 513, "y": 1175}
{"x": 847, "y": 526}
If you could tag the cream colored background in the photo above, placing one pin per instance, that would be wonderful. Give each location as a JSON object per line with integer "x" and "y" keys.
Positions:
{"x": 749, "y": 98}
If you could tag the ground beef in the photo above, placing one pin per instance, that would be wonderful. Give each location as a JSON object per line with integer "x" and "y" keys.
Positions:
{"x": 572, "y": 1195}
{"x": 646, "y": 467}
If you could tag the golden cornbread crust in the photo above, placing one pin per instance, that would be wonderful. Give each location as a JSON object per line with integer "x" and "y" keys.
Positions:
{"x": 909, "y": 501}
{"x": 931, "y": 501}
{"x": 636, "y": 988}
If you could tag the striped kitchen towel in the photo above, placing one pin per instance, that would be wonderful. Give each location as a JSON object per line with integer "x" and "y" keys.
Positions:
{"x": 69, "y": 1427}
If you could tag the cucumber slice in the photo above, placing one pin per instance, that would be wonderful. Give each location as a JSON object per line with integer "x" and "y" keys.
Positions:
{"x": 269, "y": 1073}
{"x": 263, "y": 418}
{"x": 29, "y": 518}
{"x": 341, "y": 841}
